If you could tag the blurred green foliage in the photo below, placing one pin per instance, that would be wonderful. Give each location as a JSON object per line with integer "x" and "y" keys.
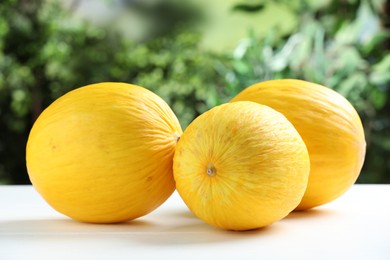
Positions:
{"x": 344, "y": 45}
{"x": 44, "y": 54}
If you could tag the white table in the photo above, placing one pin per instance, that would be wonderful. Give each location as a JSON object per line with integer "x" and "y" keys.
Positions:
{"x": 356, "y": 226}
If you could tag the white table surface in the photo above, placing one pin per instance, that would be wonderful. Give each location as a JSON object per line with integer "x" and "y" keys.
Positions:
{"x": 355, "y": 226}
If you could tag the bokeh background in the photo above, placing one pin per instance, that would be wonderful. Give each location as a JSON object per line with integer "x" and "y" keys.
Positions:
{"x": 195, "y": 54}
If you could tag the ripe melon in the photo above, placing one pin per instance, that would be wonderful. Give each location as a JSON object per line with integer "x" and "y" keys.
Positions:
{"x": 103, "y": 153}
{"x": 241, "y": 166}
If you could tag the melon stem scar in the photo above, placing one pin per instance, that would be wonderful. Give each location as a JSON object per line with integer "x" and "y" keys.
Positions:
{"x": 211, "y": 171}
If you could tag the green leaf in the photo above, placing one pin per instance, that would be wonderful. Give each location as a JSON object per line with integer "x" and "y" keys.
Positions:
{"x": 347, "y": 33}
{"x": 381, "y": 71}
{"x": 379, "y": 77}
{"x": 377, "y": 98}
{"x": 248, "y": 8}
{"x": 280, "y": 60}
{"x": 301, "y": 53}
{"x": 368, "y": 23}
{"x": 375, "y": 41}
{"x": 356, "y": 82}
{"x": 349, "y": 59}
{"x": 241, "y": 67}
{"x": 384, "y": 64}
{"x": 362, "y": 29}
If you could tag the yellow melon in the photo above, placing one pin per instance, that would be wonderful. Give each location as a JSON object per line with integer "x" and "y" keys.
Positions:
{"x": 241, "y": 166}
{"x": 330, "y": 127}
{"x": 103, "y": 153}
